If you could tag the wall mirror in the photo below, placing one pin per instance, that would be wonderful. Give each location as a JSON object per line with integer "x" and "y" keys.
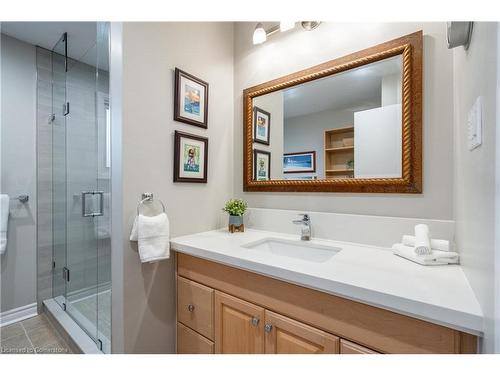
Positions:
{"x": 352, "y": 124}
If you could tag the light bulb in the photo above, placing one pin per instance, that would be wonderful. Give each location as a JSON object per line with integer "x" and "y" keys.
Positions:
{"x": 259, "y": 34}
{"x": 286, "y": 25}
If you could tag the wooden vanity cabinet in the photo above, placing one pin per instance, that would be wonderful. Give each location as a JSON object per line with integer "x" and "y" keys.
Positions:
{"x": 221, "y": 309}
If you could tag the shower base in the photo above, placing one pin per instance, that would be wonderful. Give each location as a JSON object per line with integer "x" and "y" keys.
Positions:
{"x": 83, "y": 310}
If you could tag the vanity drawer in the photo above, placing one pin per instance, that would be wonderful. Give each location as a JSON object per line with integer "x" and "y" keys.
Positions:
{"x": 195, "y": 306}
{"x": 190, "y": 342}
{"x": 347, "y": 347}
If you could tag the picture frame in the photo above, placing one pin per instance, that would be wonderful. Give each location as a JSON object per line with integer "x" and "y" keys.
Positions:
{"x": 262, "y": 165}
{"x": 190, "y": 158}
{"x": 299, "y": 162}
{"x": 261, "y": 126}
{"x": 190, "y": 99}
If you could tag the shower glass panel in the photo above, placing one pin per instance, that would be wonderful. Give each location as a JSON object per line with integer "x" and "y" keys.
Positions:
{"x": 58, "y": 58}
{"x": 81, "y": 198}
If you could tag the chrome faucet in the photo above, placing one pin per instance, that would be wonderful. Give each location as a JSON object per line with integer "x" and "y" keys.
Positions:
{"x": 305, "y": 230}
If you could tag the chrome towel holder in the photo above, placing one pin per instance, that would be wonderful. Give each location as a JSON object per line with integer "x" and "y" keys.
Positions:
{"x": 148, "y": 197}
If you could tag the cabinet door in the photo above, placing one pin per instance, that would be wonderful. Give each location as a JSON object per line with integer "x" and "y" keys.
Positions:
{"x": 238, "y": 325}
{"x": 347, "y": 347}
{"x": 287, "y": 336}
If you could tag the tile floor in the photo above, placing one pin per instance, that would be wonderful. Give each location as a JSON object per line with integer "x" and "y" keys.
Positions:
{"x": 32, "y": 336}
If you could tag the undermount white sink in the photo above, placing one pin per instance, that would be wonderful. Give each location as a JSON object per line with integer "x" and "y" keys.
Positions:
{"x": 302, "y": 250}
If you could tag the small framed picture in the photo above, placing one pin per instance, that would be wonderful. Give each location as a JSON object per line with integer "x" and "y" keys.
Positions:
{"x": 262, "y": 165}
{"x": 190, "y": 99}
{"x": 190, "y": 158}
{"x": 299, "y": 162}
{"x": 261, "y": 125}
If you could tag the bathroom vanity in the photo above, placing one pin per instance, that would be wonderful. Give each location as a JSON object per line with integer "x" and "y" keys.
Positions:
{"x": 266, "y": 292}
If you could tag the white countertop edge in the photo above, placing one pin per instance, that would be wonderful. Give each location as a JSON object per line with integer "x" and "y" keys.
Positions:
{"x": 453, "y": 319}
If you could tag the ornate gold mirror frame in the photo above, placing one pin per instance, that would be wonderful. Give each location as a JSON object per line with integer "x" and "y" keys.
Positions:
{"x": 410, "y": 47}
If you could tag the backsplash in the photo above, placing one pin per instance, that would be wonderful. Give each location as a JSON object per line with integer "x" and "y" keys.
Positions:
{"x": 366, "y": 229}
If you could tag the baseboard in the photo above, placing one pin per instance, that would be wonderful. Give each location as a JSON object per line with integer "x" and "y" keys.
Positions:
{"x": 18, "y": 314}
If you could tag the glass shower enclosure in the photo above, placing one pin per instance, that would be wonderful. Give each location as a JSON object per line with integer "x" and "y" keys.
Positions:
{"x": 81, "y": 185}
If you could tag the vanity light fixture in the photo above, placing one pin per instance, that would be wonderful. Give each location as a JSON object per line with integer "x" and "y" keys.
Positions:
{"x": 310, "y": 25}
{"x": 260, "y": 35}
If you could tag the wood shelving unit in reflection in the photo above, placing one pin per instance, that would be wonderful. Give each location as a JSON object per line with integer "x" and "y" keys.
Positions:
{"x": 338, "y": 152}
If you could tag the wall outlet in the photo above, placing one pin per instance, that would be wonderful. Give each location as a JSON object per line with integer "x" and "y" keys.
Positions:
{"x": 475, "y": 125}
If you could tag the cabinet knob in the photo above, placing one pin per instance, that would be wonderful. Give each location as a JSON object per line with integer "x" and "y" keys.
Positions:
{"x": 255, "y": 321}
{"x": 268, "y": 327}
{"x": 190, "y": 308}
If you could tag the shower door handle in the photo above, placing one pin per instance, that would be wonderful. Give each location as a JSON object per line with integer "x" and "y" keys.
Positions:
{"x": 84, "y": 203}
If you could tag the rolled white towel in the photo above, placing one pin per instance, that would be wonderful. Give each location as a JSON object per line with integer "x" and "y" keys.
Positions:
{"x": 443, "y": 245}
{"x": 422, "y": 241}
{"x": 436, "y": 257}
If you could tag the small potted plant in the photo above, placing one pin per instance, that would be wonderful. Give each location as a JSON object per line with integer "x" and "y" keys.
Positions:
{"x": 235, "y": 208}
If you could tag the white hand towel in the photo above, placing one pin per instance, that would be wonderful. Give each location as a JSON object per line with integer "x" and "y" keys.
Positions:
{"x": 422, "y": 241}
{"x": 4, "y": 221}
{"x": 436, "y": 257}
{"x": 443, "y": 245}
{"x": 152, "y": 235}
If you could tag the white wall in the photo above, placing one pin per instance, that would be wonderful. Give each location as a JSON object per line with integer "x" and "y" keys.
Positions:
{"x": 18, "y": 171}
{"x": 474, "y": 179}
{"x": 289, "y": 52}
{"x": 151, "y": 51}
{"x": 273, "y": 103}
{"x": 307, "y": 133}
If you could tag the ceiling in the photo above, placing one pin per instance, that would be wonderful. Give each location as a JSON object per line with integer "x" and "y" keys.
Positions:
{"x": 81, "y": 36}
{"x": 356, "y": 89}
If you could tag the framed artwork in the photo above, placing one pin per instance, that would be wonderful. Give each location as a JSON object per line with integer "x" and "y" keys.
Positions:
{"x": 299, "y": 162}
{"x": 261, "y": 125}
{"x": 190, "y": 158}
{"x": 190, "y": 99}
{"x": 262, "y": 165}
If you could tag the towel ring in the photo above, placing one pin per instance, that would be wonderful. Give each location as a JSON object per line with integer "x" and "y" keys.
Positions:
{"x": 148, "y": 197}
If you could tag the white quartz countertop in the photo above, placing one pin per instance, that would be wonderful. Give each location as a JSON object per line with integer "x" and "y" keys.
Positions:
{"x": 368, "y": 274}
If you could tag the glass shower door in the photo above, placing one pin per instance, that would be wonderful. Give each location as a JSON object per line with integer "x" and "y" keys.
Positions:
{"x": 84, "y": 202}
{"x": 81, "y": 186}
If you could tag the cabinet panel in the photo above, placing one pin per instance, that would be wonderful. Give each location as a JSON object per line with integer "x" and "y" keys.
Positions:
{"x": 195, "y": 306}
{"x": 238, "y": 326}
{"x": 347, "y": 347}
{"x": 190, "y": 342}
{"x": 288, "y": 336}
